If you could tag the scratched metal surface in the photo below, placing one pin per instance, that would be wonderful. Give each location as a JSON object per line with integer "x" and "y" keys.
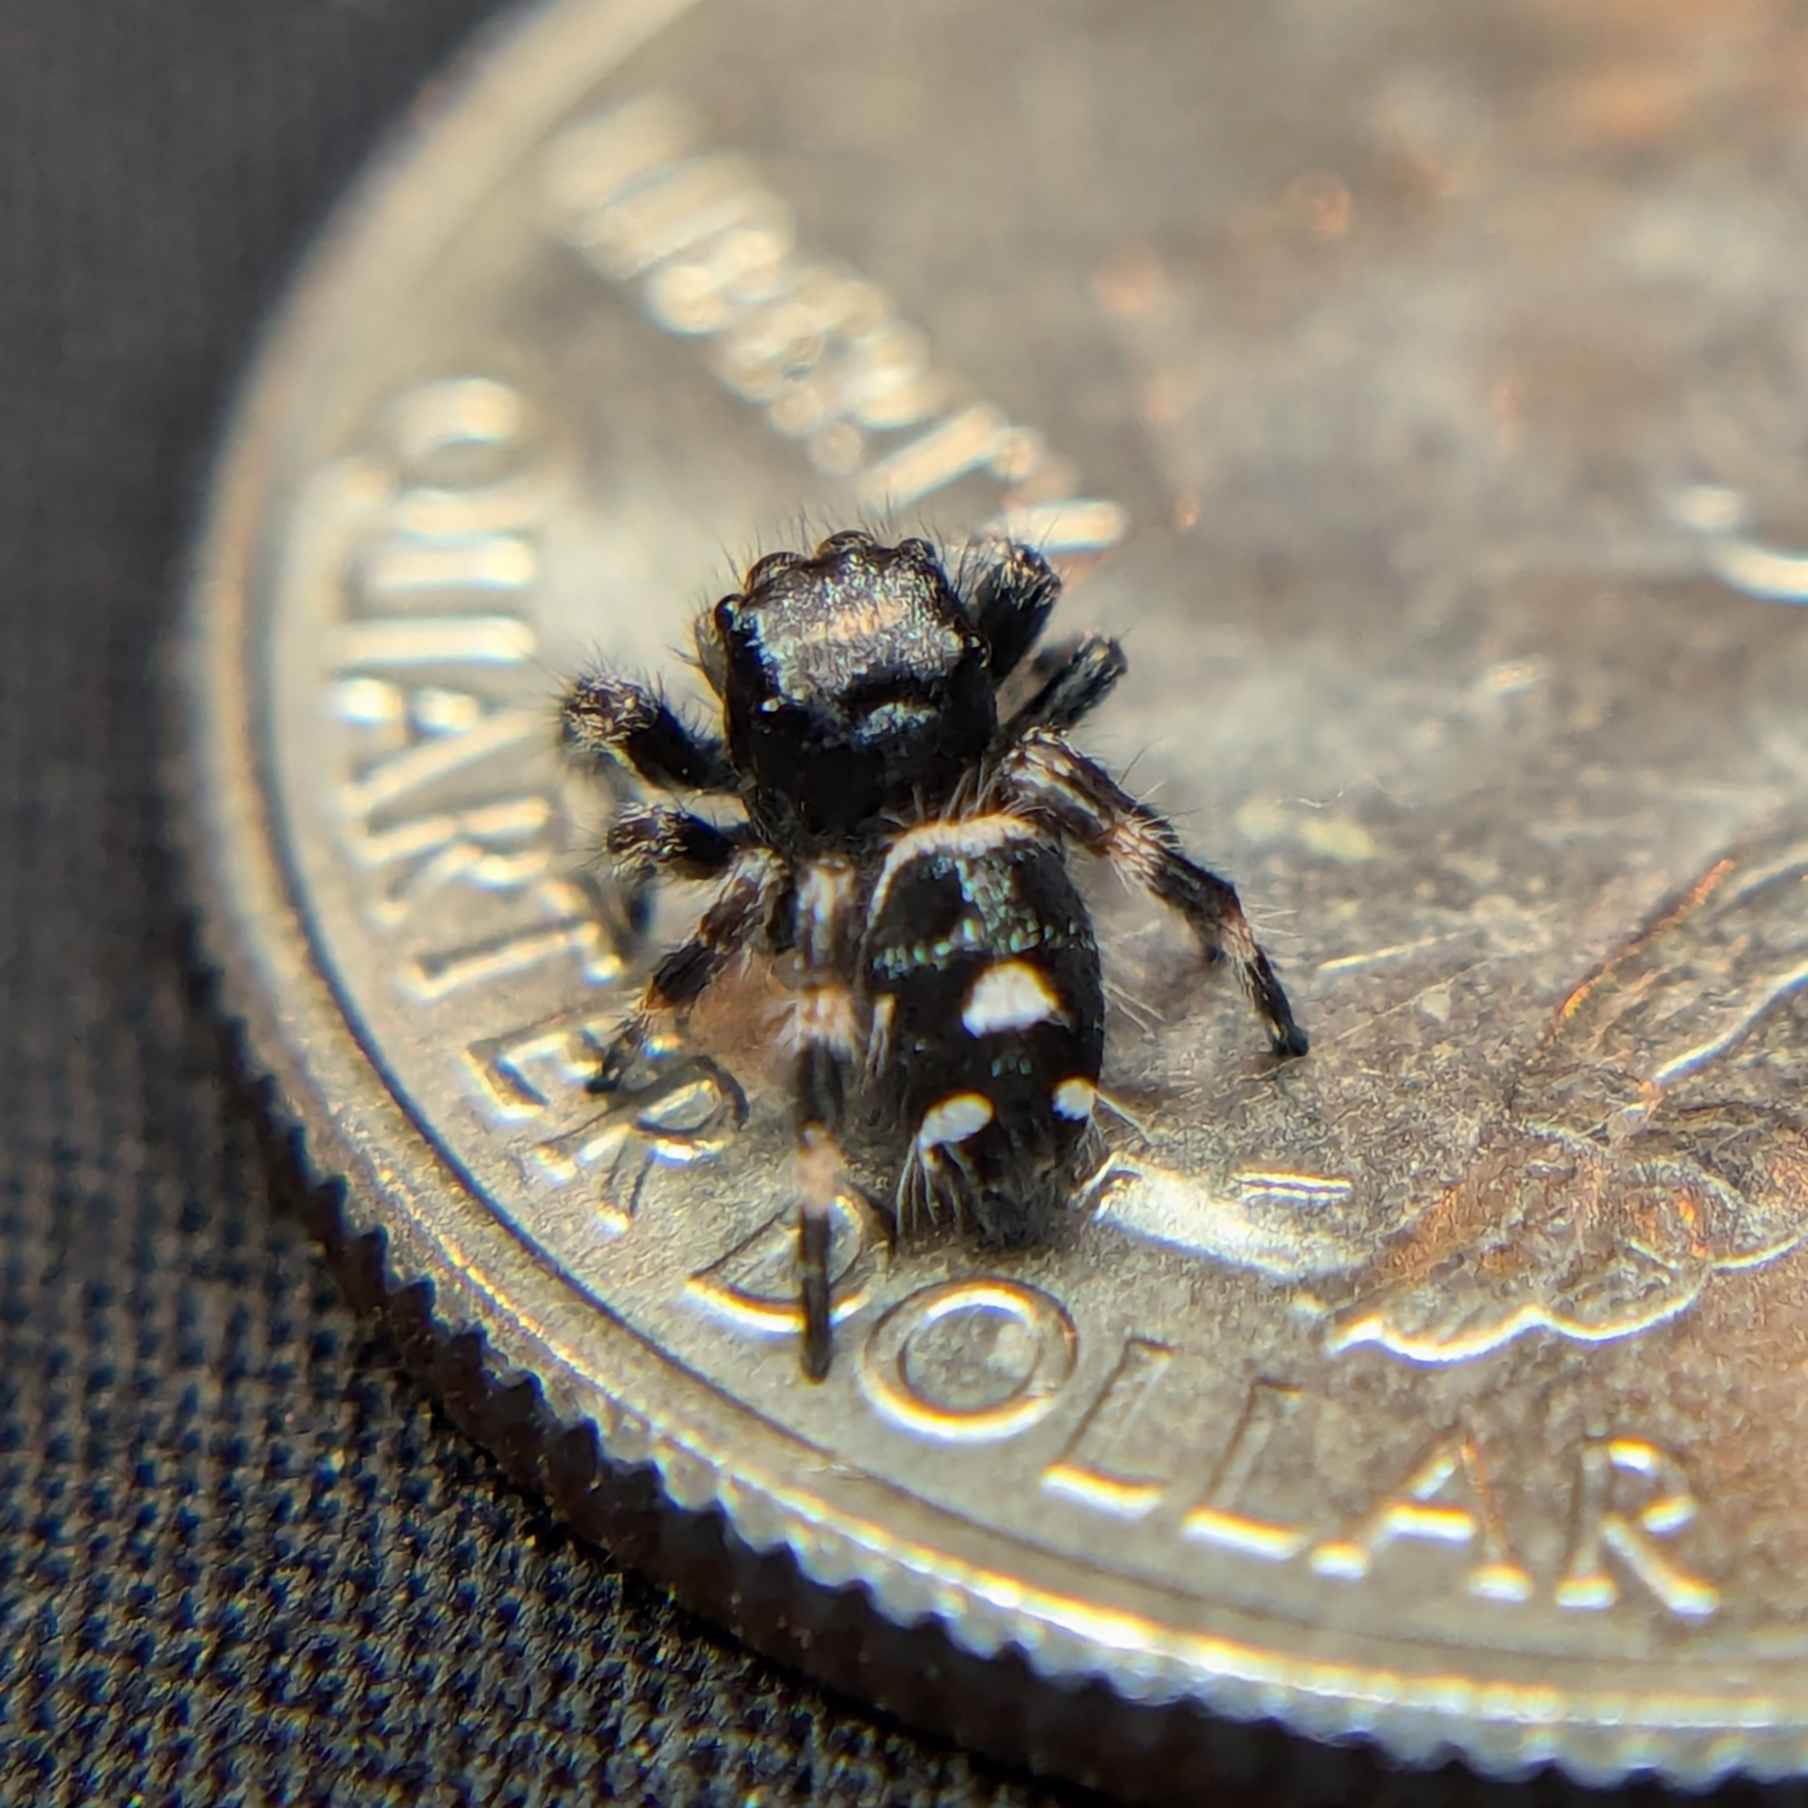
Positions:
{"x": 1415, "y": 391}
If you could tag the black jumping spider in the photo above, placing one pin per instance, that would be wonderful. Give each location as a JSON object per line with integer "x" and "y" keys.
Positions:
{"x": 908, "y": 848}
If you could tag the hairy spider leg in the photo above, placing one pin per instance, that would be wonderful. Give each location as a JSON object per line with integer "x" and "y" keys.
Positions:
{"x": 755, "y": 881}
{"x": 825, "y": 1023}
{"x": 1046, "y": 778}
{"x": 1011, "y": 601}
{"x": 607, "y": 718}
{"x": 1076, "y": 678}
{"x": 647, "y": 840}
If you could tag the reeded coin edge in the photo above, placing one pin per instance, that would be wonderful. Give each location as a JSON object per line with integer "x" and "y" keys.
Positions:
{"x": 873, "y": 1622}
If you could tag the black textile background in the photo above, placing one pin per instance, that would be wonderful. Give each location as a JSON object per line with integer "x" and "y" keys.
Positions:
{"x": 243, "y": 1558}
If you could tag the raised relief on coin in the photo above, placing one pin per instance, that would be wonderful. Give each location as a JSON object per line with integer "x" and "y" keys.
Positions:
{"x": 427, "y": 562}
{"x": 535, "y": 1079}
{"x": 969, "y": 1360}
{"x": 1287, "y": 1224}
{"x": 1631, "y": 1164}
{"x": 1737, "y": 553}
{"x": 712, "y": 248}
{"x": 687, "y": 1112}
{"x": 1233, "y": 1487}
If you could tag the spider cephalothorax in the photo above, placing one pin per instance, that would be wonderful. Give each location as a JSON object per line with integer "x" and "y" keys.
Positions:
{"x": 908, "y": 845}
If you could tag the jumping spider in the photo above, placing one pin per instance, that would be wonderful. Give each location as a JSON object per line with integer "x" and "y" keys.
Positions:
{"x": 908, "y": 849}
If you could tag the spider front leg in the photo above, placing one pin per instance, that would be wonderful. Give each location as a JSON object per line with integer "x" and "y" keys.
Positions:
{"x": 1011, "y": 602}
{"x": 605, "y": 717}
{"x": 826, "y": 1025}
{"x": 1048, "y": 780}
{"x": 1077, "y": 677}
{"x": 647, "y": 840}
{"x": 753, "y": 884}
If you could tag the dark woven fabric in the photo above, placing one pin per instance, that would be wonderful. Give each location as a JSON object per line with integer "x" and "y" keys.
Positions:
{"x": 242, "y": 1557}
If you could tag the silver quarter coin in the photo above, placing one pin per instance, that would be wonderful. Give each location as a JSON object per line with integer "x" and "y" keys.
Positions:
{"x": 1418, "y": 392}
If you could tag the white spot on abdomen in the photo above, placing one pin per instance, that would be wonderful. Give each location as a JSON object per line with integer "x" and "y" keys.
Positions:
{"x": 954, "y": 1119}
{"x": 1009, "y": 996}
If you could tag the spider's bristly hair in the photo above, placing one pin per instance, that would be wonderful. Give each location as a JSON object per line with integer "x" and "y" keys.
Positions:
{"x": 646, "y": 840}
{"x": 910, "y": 850}
{"x": 605, "y": 717}
{"x": 1076, "y": 680}
{"x": 1014, "y": 593}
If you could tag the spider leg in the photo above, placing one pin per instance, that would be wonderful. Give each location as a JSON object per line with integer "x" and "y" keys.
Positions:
{"x": 645, "y": 840}
{"x": 1051, "y": 655}
{"x": 1011, "y": 602}
{"x": 1076, "y": 678}
{"x": 826, "y": 1023}
{"x": 1047, "y": 779}
{"x": 754, "y": 879}
{"x": 605, "y": 718}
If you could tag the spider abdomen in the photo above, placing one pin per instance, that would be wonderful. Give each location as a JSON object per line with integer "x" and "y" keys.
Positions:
{"x": 988, "y": 1017}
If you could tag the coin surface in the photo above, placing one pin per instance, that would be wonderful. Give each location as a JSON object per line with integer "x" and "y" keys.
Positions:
{"x": 1418, "y": 392}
